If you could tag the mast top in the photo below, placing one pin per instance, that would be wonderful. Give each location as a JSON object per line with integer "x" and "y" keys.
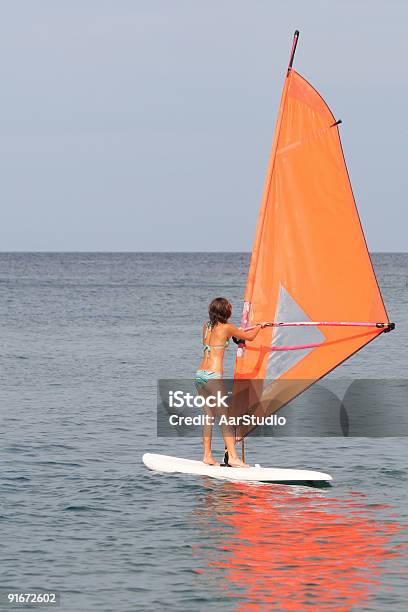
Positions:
{"x": 292, "y": 53}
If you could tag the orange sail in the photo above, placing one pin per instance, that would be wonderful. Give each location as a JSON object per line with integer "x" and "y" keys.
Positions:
{"x": 310, "y": 262}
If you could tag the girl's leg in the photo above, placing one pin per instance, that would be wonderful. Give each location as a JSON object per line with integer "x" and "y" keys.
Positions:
{"x": 207, "y": 431}
{"x": 229, "y": 442}
{"x": 207, "y": 437}
{"x": 229, "y": 438}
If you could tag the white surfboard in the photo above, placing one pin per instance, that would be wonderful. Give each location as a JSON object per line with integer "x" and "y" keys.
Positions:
{"x": 171, "y": 465}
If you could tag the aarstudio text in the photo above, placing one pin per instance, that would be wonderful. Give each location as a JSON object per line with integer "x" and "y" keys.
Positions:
{"x": 233, "y": 421}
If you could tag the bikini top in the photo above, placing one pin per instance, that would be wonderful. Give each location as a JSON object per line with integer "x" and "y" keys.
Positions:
{"x": 208, "y": 347}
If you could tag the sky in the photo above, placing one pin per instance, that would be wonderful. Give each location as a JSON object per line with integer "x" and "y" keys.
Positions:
{"x": 132, "y": 125}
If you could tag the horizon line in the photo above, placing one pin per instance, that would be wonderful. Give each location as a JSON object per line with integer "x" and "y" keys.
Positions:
{"x": 155, "y": 252}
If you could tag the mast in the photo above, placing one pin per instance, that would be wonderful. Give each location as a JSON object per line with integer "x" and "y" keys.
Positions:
{"x": 255, "y": 251}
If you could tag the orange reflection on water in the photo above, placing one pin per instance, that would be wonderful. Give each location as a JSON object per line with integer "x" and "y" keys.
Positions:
{"x": 286, "y": 548}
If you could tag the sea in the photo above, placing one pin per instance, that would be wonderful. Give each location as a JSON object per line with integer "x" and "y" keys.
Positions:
{"x": 84, "y": 339}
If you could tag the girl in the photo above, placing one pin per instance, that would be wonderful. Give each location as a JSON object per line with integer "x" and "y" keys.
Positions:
{"x": 216, "y": 334}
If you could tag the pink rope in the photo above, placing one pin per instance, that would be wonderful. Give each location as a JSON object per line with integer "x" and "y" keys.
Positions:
{"x": 296, "y": 347}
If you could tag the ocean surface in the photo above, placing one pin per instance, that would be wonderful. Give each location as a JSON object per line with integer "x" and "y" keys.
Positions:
{"x": 84, "y": 339}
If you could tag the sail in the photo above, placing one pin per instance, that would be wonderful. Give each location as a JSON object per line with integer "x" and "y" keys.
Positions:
{"x": 310, "y": 262}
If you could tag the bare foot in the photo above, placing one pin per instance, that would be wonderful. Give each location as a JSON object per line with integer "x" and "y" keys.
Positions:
{"x": 210, "y": 460}
{"x": 236, "y": 462}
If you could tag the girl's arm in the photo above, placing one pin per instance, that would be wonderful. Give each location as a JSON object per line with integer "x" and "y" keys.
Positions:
{"x": 242, "y": 334}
